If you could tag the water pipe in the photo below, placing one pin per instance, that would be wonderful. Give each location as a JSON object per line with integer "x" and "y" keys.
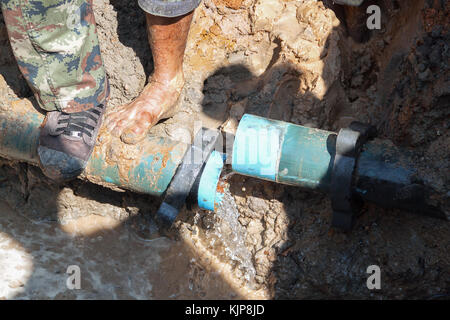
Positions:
{"x": 146, "y": 168}
{"x": 157, "y": 166}
{"x": 346, "y": 165}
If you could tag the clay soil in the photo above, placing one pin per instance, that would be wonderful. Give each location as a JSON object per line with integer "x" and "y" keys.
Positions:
{"x": 307, "y": 62}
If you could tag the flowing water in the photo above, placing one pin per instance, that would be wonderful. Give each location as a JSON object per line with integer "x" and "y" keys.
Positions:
{"x": 113, "y": 263}
{"x": 228, "y": 236}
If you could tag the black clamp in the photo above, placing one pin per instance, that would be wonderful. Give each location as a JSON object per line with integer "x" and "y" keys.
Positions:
{"x": 348, "y": 147}
{"x": 191, "y": 166}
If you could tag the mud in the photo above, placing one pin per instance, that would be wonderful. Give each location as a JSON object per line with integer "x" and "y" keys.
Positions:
{"x": 307, "y": 62}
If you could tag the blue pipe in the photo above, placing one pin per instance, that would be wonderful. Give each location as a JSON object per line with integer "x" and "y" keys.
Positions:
{"x": 283, "y": 152}
{"x": 263, "y": 148}
{"x": 150, "y": 171}
{"x": 208, "y": 196}
{"x": 296, "y": 155}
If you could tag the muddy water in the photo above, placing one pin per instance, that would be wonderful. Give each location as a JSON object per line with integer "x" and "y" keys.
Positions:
{"x": 229, "y": 236}
{"x": 113, "y": 261}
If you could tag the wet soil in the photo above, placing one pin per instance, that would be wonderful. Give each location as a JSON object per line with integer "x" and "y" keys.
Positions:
{"x": 307, "y": 62}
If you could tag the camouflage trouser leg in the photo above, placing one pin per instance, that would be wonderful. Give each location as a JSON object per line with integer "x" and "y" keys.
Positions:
{"x": 56, "y": 47}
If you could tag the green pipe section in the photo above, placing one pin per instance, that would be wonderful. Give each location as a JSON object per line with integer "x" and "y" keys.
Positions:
{"x": 311, "y": 165}
{"x": 296, "y": 155}
{"x": 145, "y": 168}
{"x": 283, "y": 152}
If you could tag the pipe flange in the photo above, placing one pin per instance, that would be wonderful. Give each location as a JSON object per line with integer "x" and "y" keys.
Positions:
{"x": 348, "y": 146}
{"x": 185, "y": 176}
{"x": 207, "y": 196}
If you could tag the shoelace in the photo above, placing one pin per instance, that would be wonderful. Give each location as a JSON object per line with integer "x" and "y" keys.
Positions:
{"x": 74, "y": 124}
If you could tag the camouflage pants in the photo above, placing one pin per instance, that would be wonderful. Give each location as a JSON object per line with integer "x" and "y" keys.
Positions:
{"x": 56, "y": 47}
{"x": 55, "y": 44}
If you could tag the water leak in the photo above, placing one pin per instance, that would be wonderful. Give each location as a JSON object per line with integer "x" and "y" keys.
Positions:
{"x": 114, "y": 262}
{"x": 229, "y": 235}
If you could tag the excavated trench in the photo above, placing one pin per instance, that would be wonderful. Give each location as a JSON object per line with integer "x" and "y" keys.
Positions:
{"x": 307, "y": 62}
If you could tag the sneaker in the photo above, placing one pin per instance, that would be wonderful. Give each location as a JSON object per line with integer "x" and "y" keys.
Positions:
{"x": 66, "y": 142}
